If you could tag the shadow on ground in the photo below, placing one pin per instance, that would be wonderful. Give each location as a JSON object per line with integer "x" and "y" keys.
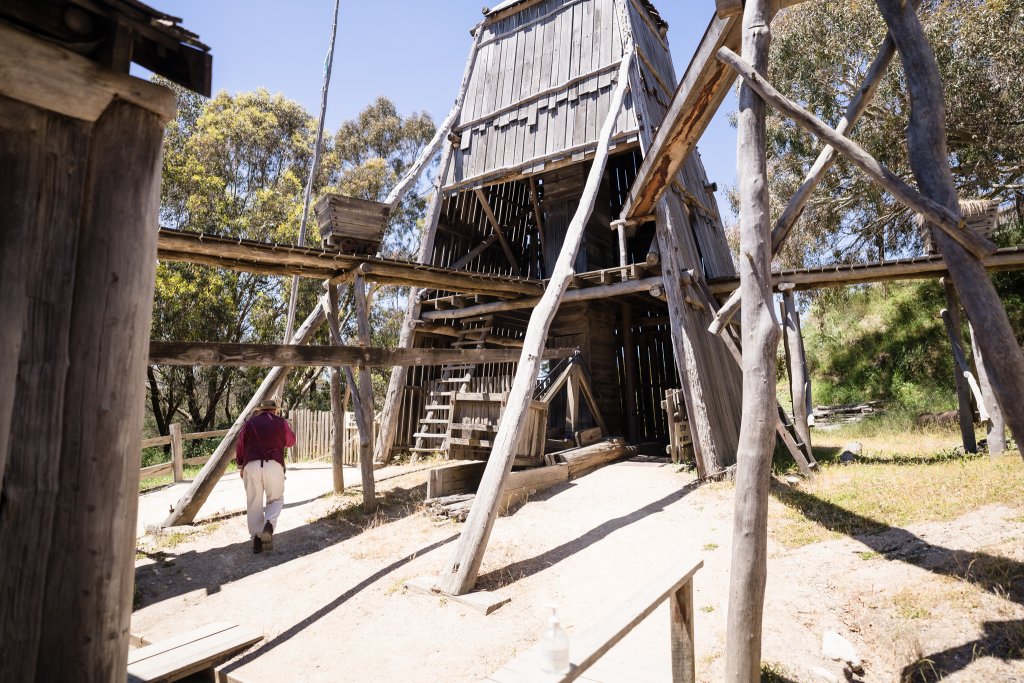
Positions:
{"x": 549, "y": 558}
{"x": 1001, "y": 639}
{"x": 175, "y": 574}
{"x": 333, "y": 605}
{"x": 996, "y": 574}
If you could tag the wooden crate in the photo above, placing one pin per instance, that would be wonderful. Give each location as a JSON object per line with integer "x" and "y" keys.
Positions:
{"x": 351, "y": 225}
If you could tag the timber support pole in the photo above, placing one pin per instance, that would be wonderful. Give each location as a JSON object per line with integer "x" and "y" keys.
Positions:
{"x": 460, "y": 573}
{"x": 929, "y": 159}
{"x": 760, "y": 339}
{"x": 799, "y": 378}
{"x": 965, "y": 409}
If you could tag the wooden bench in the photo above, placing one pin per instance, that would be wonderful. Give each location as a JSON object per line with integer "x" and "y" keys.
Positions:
{"x": 586, "y": 648}
{"x": 188, "y": 653}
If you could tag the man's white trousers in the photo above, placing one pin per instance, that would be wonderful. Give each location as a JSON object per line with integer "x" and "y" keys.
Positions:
{"x": 264, "y": 493}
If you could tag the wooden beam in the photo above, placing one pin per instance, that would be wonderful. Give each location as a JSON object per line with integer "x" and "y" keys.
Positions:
{"x": 71, "y": 85}
{"x": 461, "y": 572}
{"x": 573, "y": 295}
{"x": 700, "y": 93}
{"x": 826, "y": 159}
{"x": 538, "y": 216}
{"x": 224, "y": 354}
{"x": 946, "y": 219}
{"x": 498, "y": 231}
{"x": 749, "y": 566}
{"x": 280, "y": 259}
{"x": 920, "y": 268}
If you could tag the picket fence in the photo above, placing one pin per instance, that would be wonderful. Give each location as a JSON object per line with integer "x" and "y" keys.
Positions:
{"x": 314, "y": 434}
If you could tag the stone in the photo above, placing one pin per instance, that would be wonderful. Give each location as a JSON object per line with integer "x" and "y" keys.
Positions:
{"x": 850, "y": 452}
{"x": 834, "y": 646}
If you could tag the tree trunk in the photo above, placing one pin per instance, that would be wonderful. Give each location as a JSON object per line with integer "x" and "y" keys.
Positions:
{"x": 929, "y": 158}
{"x": 799, "y": 380}
{"x": 760, "y": 339}
{"x": 365, "y": 389}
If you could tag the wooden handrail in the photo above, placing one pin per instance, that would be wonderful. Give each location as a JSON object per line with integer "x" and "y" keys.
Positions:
{"x": 587, "y": 648}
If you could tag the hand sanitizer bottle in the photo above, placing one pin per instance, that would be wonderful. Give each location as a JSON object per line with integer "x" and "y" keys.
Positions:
{"x": 554, "y": 645}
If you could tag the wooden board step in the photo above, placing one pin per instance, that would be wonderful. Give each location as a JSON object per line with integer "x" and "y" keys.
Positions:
{"x": 481, "y": 443}
{"x": 189, "y": 653}
{"x": 456, "y": 380}
{"x": 433, "y": 421}
{"x": 438, "y": 406}
{"x": 469, "y": 427}
{"x": 428, "y": 435}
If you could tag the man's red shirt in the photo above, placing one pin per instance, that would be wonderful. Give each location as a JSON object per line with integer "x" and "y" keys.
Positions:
{"x": 263, "y": 437}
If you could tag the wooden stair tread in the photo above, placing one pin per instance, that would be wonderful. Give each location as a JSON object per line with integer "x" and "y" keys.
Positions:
{"x": 188, "y": 653}
{"x": 482, "y": 443}
{"x": 439, "y": 406}
{"x": 428, "y": 435}
{"x": 433, "y": 421}
{"x": 469, "y": 427}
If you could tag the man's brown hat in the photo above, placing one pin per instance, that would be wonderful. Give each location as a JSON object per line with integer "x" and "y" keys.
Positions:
{"x": 269, "y": 404}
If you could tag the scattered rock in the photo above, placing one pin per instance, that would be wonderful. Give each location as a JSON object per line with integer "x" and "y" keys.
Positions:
{"x": 825, "y": 674}
{"x": 793, "y": 480}
{"x": 834, "y": 646}
{"x": 850, "y": 452}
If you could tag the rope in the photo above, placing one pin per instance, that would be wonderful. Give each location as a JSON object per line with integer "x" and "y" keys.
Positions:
{"x": 328, "y": 62}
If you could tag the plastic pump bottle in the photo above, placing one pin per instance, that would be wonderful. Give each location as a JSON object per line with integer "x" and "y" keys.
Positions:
{"x": 554, "y": 643}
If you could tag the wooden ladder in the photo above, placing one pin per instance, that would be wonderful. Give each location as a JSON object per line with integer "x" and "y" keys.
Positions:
{"x": 435, "y": 427}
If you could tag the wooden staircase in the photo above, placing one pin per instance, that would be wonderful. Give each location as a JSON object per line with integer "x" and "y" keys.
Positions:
{"x": 434, "y": 432}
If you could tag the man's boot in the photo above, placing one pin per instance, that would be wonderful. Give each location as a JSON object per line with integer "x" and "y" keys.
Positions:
{"x": 268, "y": 536}
{"x": 257, "y": 545}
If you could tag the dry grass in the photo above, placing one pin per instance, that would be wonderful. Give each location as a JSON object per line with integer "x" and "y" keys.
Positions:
{"x": 873, "y": 495}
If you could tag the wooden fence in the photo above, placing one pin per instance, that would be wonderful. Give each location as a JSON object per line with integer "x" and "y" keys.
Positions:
{"x": 314, "y": 433}
{"x": 177, "y": 464}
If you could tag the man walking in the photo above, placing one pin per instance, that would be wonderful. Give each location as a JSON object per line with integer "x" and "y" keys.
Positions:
{"x": 259, "y": 453}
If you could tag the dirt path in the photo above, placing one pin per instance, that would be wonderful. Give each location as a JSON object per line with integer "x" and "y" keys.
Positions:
{"x": 330, "y": 598}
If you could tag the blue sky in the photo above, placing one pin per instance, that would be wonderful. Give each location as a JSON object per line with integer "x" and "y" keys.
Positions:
{"x": 412, "y": 51}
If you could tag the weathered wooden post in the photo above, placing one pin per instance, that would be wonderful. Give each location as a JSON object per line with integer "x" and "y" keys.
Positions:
{"x": 965, "y": 410}
{"x": 996, "y": 425}
{"x": 80, "y": 150}
{"x": 760, "y": 339}
{"x": 177, "y": 452}
{"x": 929, "y": 158}
{"x": 460, "y": 575}
{"x": 364, "y": 407}
{"x": 337, "y": 400}
{"x": 799, "y": 380}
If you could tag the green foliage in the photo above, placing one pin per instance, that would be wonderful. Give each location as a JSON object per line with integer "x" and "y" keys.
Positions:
{"x": 887, "y": 341}
{"x": 819, "y": 55}
{"x": 236, "y": 166}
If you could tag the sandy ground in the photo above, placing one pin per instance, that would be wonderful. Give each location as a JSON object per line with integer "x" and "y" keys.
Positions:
{"x": 331, "y": 602}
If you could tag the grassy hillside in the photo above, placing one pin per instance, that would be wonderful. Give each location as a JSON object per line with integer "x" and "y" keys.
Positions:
{"x": 886, "y": 341}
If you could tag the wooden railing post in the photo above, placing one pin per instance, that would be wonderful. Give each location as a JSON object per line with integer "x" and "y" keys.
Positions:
{"x": 177, "y": 453}
{"x": 680, "y": 606}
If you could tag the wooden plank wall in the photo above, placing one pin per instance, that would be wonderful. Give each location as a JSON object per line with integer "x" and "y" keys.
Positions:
{"x": 314, "y": 431}
{"x": 540, "y": 88}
